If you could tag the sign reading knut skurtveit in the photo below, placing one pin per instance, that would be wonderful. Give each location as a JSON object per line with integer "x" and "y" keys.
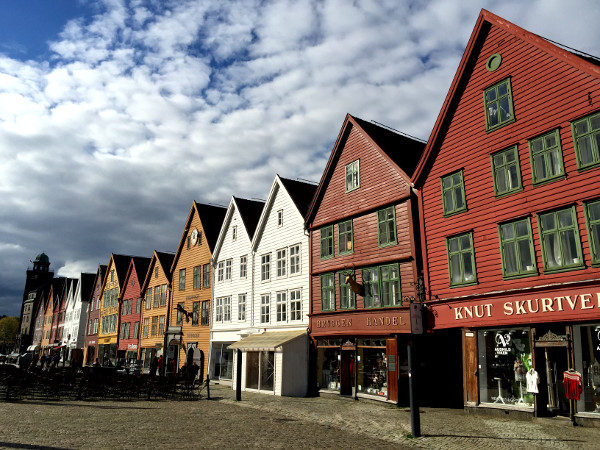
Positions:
{"x": 551, "y": 306}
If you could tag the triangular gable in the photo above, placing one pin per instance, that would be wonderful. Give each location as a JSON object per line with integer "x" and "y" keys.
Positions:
{"x": 484, "y": 22}
{"x": 400, "y": 151}
{"x": 165, "y": 261}
{"x": 249, "y": 211}
{"x": 211, "y": 218}
{"x": 141, "y": 266}
{"x": 302, "y": 195}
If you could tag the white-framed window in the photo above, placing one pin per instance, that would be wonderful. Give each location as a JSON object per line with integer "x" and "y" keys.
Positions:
{"x": 265, "y": 308}
{"x": 295, "y": 265}
{"x": 95, "y": 326}
{"x": 241, "y": 307}
{"x": 352, "y": 176}
{"x": 265, "y": 267}
{"x": 219, "y": 310}
{"x": 228, "y": 265}
{"x": 220, "y": 270}
{"x": 281, "y": 262}
{"x": 280, "y": 218}
{"x": 296, "y": 304}
{"x": 234, "y": 233}
{"x": 243, "y": 266}
{"x": 281, "y": 306}
{"x": 227, "y": 309}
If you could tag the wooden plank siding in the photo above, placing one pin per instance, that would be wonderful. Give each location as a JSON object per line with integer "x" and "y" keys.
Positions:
{"x": 548, "y": 93}
{"x": 131, "y": 291}
{"x": 382, "y": 183}
{"x": 153, "y": 278}
{"x": 187, "y": 258}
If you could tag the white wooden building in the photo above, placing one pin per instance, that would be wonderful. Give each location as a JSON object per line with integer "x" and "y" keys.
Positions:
{"x": 78, "y": 295}
{"x": 269, "y": 309}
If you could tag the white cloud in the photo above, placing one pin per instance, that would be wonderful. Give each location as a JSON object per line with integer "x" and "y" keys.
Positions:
{"x": 147, "y": 105}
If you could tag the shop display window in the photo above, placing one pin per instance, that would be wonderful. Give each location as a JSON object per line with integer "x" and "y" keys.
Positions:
{"x": 328, "y": 364}
{"x": 260, "y": 370}
{"x": 372, "y": 367}
{"x": 587, "y": 362}
{"x": 504, "y": 360}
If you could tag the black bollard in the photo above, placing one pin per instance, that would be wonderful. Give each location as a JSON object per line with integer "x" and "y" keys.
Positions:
{"x": 238, "y": 376}
{"x": 207, "y": 388}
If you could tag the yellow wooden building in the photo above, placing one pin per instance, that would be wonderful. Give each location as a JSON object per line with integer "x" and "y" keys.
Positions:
{"x": 188, "y": 332}
{"x": 156, "y": 289}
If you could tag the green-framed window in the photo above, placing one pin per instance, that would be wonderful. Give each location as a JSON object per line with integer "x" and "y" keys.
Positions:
{"x": 461, "y": 260}
{"x": 559, "y": 233}
{"x": 386, "y": 226}
{"x": 586, "y": 134}
{"x": 327, "y": 292}
{"x": 516, "y": 244}
{"x": 345, "y": 237}
{"x": 347, "y": 295}
{"x": 352, "y": 176}
{"x": 546, "y": 157}
{"x": 453, "y": 193}
{"x": 326, "y": 242}
{"x": 381, "y": 286}
{"x": 507, "y": 171}
{"x": 498, "y": 105}
{"x": 592, "y": 218}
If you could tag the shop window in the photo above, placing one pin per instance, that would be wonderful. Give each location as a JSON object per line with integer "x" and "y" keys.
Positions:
{"x": 592, "y": 217}
{"x": 345, "y": 237}
{"x": 559, "y": 233}
{"x": 327, "y": 292}
{"x": 453, "y": 193}
{"x": 504, "y": 360}
{"x": 461, "y": 260}
{"x": 386, "y": 226}
{"x": 372, "y": 367}
{"x": 326, "y": 234}
{"x": 260, "y": 370}
{"x": 506, "y": 171}
{"x": 587, "y": 362}
{"x": 328, "y": 364}
{"x": 498, "y": 105}
{"x": 586, "y": 134}
{"x": 516, "y": 242}
{"x": 347, "y": 295}
{"x": 546, "y": 157}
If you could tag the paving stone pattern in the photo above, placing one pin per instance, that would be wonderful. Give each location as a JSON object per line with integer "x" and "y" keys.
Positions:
{"x": 264, "y": 421}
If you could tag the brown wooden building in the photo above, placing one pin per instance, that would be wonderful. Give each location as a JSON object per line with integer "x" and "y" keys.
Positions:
{"x": 362, "y": 231}
{"x": 156, "y": 307}
{"x": 189, "y": 326}
{"x": 510, "y": 210}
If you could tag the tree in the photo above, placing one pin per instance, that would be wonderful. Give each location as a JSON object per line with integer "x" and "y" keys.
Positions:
{"x": 9, "y": 326}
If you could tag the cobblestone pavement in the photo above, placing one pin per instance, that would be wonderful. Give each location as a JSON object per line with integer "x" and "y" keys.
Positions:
{"x": 263, "y": 421}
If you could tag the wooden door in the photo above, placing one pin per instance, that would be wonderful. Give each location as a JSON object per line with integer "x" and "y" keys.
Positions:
{"x": 392, "y": 369}
{"x": 470, "y": 368}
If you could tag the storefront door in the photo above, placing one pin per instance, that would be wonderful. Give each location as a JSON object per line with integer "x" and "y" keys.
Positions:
{"x": 551, "y": 360}
{"x": 347, "y": 371}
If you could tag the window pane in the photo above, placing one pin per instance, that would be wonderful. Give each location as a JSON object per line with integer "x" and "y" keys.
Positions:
{"x": 510, "y": 258}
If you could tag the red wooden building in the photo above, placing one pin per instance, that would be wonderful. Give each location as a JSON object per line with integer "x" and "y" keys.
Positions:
{"x": 91, "y": 332}
{"x": 364, "y": 261}
{"x": 510, "y": 209}
{"x": 130, "y": 302}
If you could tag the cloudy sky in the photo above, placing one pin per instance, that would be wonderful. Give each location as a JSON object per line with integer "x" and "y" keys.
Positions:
{"x": 115, "y": 115}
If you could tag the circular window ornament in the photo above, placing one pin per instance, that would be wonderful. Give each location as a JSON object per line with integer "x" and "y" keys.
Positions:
{"x": 493, "y": 62}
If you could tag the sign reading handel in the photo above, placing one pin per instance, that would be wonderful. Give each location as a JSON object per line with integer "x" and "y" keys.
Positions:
{"x": 376, "y": 323}
{"x": 549, "y": 307}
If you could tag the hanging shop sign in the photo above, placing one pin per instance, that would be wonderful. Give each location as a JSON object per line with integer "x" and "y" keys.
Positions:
{"x": 555, "y": 306}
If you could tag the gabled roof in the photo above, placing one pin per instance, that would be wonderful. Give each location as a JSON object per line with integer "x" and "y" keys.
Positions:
{"x": 211, "y": 217}
{"x": 141, "y": 265}
{"x": 98, "y": 277}
{"x": 400, "y": 150}
{"x": 249, "y": 211}
{"x": 485, "y": 21}
{"x": 165, "y": 260}
{"x": 300, "y": 193}
{"x": 87, "y": 285}
{"x": 121, "y": 264}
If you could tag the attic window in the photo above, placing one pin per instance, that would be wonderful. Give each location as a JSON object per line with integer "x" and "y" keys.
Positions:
{"x": 493, "y": 62}
{"x": 352, "y": 176}
{"x": 156, "y": 272}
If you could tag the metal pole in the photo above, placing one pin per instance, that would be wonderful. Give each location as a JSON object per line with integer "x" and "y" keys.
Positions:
{"x": 415, "y": 418}
{"x": 238, "y": 376}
